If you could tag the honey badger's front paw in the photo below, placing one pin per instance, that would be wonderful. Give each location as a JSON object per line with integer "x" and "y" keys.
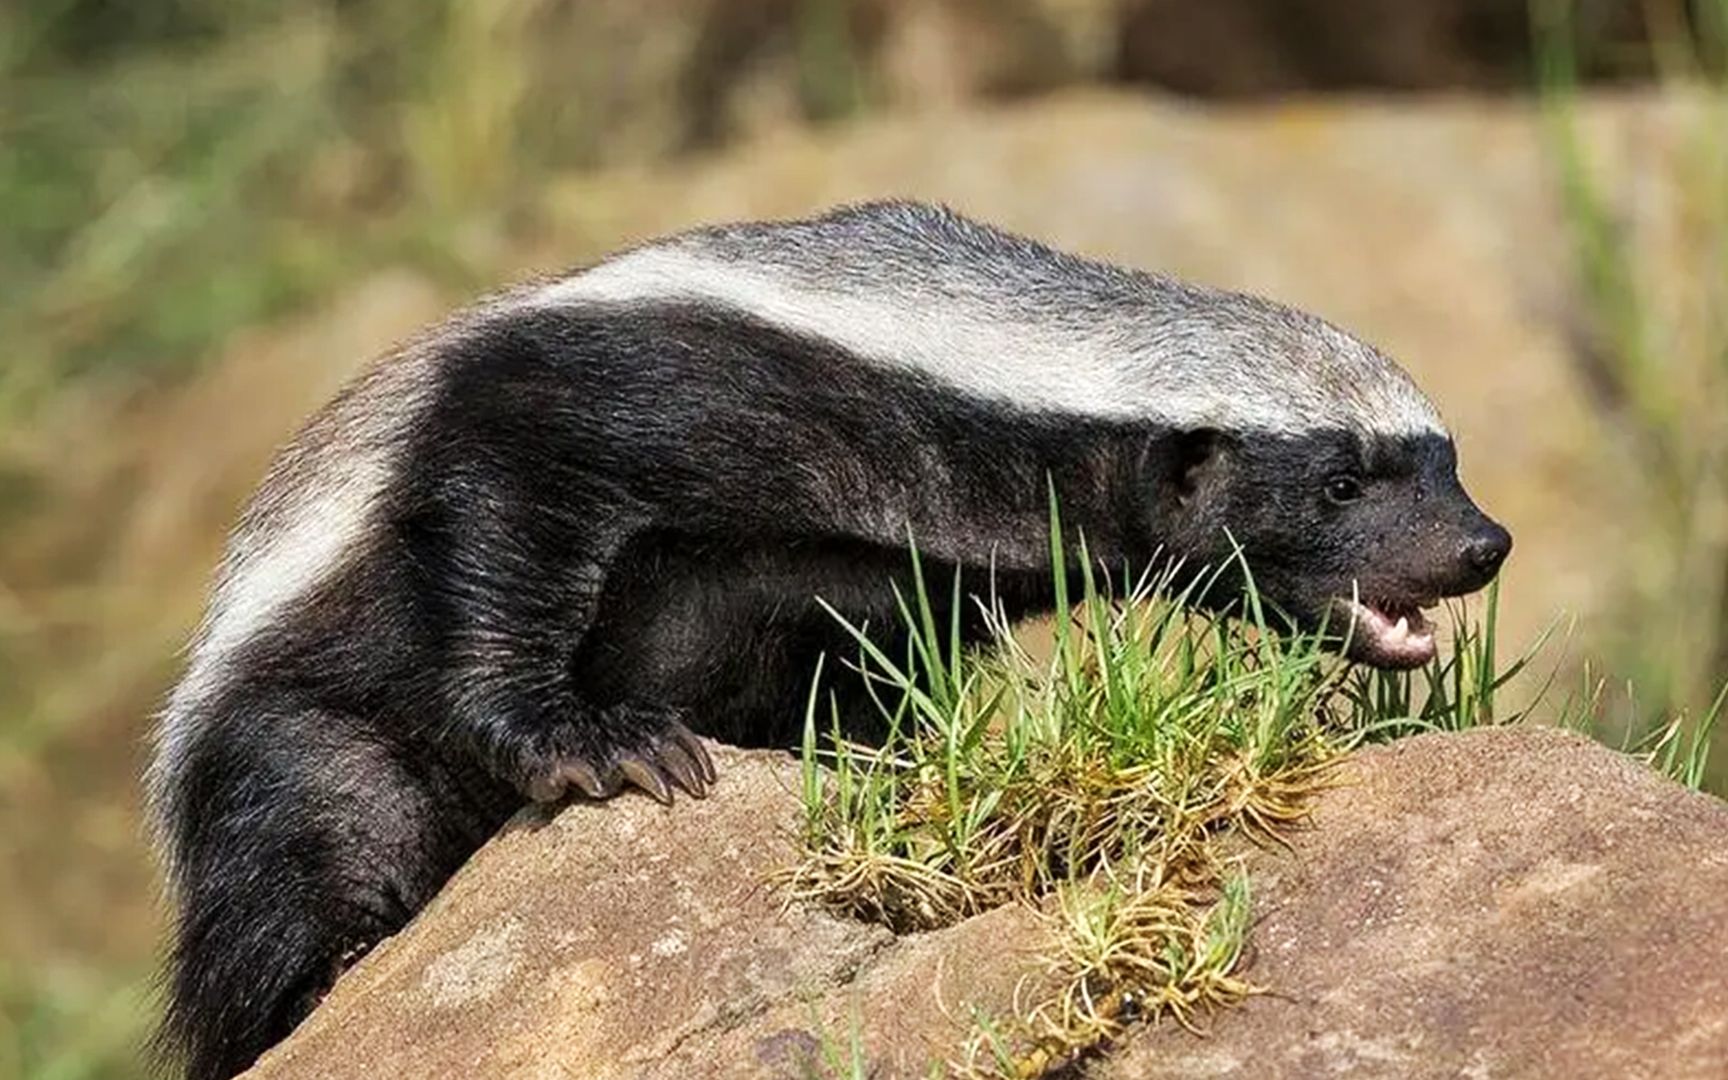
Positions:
{"x": 661, "y": 754}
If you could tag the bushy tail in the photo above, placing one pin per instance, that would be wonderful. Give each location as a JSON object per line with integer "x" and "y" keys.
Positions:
{"x": 249, "y": 962}
{"x": 296, "y": 844}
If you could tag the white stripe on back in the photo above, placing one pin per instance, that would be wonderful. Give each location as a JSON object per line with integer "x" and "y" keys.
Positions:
{"x": 979, "y": 338}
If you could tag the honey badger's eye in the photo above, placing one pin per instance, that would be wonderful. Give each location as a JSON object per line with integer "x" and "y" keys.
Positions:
{"x": 1343, "y": 488}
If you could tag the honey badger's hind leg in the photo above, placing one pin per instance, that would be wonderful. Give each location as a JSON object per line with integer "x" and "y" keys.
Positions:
{"x": 299, "y": 841}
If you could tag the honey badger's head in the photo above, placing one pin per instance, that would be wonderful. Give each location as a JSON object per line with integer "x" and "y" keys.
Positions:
{"x": 1355, "y": 532}
{"x": 1332, "y": 475}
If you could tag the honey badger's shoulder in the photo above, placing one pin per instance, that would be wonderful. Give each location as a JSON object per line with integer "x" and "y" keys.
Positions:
{"x": 516, "y": 558}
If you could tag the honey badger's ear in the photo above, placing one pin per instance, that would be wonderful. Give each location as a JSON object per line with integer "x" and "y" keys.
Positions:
{"x": 1199, "y": 458}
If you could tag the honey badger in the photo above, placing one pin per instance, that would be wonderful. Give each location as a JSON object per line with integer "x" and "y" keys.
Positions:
{"x": 532, "y": 552}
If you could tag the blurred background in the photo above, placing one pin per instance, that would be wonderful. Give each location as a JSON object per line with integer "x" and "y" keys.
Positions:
{"x": 213, "y": 211}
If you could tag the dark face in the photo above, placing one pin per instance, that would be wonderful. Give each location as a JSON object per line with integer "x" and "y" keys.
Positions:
{"x": 1359, "y": 534}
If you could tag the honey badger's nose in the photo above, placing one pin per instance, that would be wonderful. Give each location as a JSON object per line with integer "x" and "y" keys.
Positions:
{"x": 1486, "y": 549}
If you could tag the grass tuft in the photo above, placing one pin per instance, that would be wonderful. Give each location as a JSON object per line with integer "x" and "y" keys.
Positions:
{"x": 1102, "y": 784}
{"x": 1094, "y": 784}
{"x": 1005, "y": 776}
{"x": 1120, "y": 950}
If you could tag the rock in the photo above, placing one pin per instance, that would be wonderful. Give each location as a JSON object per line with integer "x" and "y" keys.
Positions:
{"x": 1502, "y": 903}
{"x": 1506, "y": 903}
{"x": 632, "y": 940}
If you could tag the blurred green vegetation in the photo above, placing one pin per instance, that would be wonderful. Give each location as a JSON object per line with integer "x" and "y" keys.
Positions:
{"x": 1652, "y": 347}
{"x": 142, "y": 145}
{"x": 72, "y": 1026}
{"x": 151, "y": 143}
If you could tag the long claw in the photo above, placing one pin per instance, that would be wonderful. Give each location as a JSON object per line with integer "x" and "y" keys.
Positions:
{"x": 545, "y": 789}
{"x": 645, "y": 776}
{"x": 687, "y": 740}
{"x": 558, "y": 781}
{"x": 677, "y": 763}
{"x": 586, "y": 777}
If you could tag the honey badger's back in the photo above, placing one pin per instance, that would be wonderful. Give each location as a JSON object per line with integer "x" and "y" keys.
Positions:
{"x": 510, "y": 558}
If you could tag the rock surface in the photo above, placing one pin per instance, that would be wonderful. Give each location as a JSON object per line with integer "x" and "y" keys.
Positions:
{"x": 1504, "y": 903}
{"x": 633, "y": 940}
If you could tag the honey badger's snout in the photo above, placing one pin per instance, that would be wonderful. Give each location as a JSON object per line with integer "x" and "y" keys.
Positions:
{"x": 1479, "y": 546}
{"x": 1484, "y": 551}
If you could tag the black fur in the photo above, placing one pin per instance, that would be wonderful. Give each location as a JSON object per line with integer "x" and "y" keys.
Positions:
{"x": 609, "y": 524}
{"x": 1410, "y": 537}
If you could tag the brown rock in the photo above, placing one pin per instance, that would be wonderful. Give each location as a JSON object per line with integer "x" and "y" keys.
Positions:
{"x": 632, "y": 940}
{"x": 1505, "y": 903}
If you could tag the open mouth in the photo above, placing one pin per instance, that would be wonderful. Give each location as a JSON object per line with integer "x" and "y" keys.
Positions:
{"x": 1388, "y": 634}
